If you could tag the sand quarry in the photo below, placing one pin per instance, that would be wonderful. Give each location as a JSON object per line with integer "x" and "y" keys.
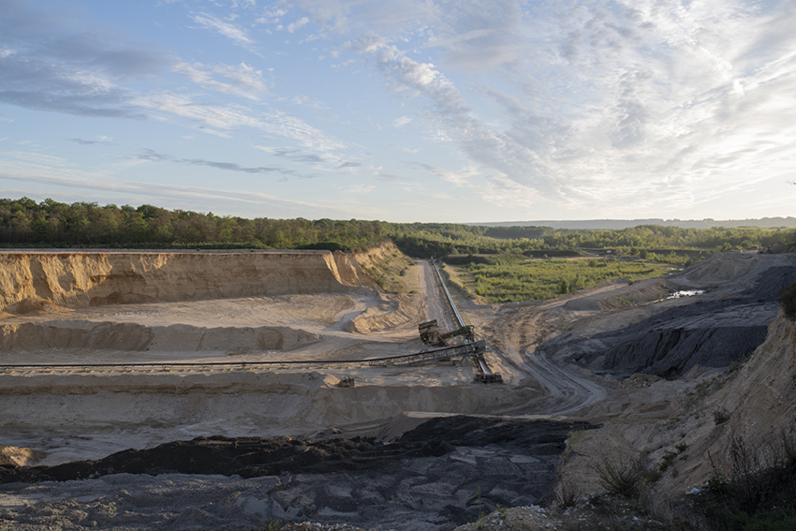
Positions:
{"x": 585, "y": 363}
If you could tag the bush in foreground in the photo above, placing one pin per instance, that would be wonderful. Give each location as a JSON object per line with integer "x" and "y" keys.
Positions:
{"x": 788, "y": 301}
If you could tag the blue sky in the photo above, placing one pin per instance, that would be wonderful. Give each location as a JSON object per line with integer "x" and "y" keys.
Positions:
{"x": 403, "y": 110}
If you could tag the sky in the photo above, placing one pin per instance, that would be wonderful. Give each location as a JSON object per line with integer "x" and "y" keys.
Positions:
{"x": 403, "y": 110}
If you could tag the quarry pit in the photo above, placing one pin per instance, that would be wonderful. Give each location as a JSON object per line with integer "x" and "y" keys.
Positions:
{"x": 159, "y": 347}
{"x": 107, "y": 314}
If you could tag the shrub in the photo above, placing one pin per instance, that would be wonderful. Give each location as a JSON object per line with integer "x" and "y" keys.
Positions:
{"x": 753, "y": 488}
{"x": 622, "y": 479}
{"x": 788, "y": 301}
{"x": 720, "y": 417}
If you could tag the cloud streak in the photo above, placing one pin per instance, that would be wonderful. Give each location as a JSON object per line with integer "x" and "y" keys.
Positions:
{"x": 149, "y": 155}
{"x": 242, "y": 80}
{"x": 232, "y": 32}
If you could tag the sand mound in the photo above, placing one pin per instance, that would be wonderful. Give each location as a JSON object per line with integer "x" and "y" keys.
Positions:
{"x": 36, "y": 306}
{"x": 137, "y": 337}
{"x": 77, "y": 280}
{"x": 757, "y": 402}
{"x": 395, "y": 312}
{"x": 15, "y": 456}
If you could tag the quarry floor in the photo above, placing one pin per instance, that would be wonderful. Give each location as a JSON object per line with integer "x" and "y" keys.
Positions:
{"x": 60, "y": 417}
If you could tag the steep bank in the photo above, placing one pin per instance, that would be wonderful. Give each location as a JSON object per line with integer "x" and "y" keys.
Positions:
{"x": 754, "y": 406}
{"x": 77, "y": 280}
{"x": 388, "y": 266}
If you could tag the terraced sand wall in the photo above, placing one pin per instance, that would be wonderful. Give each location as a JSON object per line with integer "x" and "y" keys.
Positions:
{"x": 76, "y": 280}
{"x": 25, "y": 337}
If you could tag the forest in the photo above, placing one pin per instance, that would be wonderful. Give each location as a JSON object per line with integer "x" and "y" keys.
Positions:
{"x": 49, "y": 223}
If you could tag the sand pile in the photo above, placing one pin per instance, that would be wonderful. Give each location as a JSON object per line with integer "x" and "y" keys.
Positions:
{"x": 395, "y": 312}
{"x": 692, "y": 424}
{"x": 389, "y": 266}
{"x": 77, "y": 280}
{"x": 36, "y": 306}
{"x": 15, "y": 456}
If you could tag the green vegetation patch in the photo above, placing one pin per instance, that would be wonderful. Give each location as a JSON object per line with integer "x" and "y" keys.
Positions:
{"x": 510, "y": 279}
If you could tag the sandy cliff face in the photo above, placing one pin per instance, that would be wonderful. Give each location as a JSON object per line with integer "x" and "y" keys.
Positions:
{"x": 761, "y": 401}
{"x": 76, "y": 280}
{"x": 764, "y": 394}
{"x": 759, "y": 404}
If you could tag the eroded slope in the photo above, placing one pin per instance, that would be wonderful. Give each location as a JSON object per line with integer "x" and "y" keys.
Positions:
{"x": 78, "y": 280}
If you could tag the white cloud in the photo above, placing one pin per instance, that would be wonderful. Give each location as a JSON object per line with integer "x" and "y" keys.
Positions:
{"x": 102, "y": 139}
{"x": 406, "y": 149}
{"x": 225, "y": 118}
{"x": 402, "y": 121}
{"x": 460, "y": 178}
{"x": 267, "y": 149}
{"x": 271, "y": 16}
{"x": 360, "y": 189}
{"x": 297, "y": 25}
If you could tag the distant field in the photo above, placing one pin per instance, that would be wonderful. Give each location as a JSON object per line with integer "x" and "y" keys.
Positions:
{"x": 525, "y": 279}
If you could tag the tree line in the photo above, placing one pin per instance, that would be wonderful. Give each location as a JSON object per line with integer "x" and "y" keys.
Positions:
{"x": 26, "y": 223}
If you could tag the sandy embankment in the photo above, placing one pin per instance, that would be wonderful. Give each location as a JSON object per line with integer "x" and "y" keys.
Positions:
{"x": 78, "y": 280}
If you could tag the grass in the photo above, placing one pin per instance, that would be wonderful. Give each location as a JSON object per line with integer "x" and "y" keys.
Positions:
{"x": 509, "y": 278}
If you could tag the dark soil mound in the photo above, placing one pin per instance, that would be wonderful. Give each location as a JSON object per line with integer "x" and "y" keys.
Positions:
{"x": 444, "y": 473}
{"x": 254, "y": 457}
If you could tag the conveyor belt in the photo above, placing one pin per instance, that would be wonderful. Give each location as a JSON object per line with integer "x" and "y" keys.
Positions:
{"x": 417, "y": 358}
{"x": 456, "y": 315}
{"x": 485, "y": 374}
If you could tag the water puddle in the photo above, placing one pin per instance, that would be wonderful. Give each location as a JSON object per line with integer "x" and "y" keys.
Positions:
{"x": 685, "y": 293}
